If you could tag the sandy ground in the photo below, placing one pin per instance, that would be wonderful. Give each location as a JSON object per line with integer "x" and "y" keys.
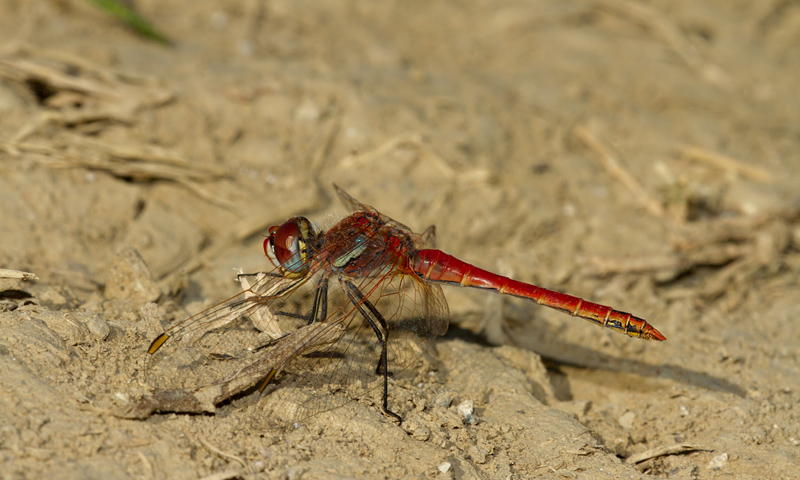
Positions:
{"x": 641, "y": 154}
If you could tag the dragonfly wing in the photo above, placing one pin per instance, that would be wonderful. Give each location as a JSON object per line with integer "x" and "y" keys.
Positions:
{"x": 351, "y": 203}
{"x": 215, "y": 343}
{"x": 419, "y": 315}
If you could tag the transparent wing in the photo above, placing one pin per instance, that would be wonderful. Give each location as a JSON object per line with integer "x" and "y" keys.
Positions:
{"x": 217, "y": 342}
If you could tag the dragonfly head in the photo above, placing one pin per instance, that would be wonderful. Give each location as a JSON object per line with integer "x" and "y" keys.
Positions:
{"x": 286, "y": 247}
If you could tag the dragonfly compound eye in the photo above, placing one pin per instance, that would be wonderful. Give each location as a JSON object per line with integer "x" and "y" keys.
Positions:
{"x": 286, "y": 245}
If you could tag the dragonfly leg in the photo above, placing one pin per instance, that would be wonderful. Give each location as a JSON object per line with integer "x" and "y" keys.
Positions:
{"x": 379, "y": 326}
{"x": 319, "y": 311}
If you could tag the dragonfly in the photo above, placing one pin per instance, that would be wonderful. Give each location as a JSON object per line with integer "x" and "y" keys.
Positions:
{"x": 341, "y": 311}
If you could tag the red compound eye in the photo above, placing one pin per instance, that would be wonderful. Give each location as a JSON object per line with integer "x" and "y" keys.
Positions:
{"x": 286, "y": 245}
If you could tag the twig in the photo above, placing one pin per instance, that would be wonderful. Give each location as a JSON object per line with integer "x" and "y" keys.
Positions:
{"x": 148, "y": 467}
{"x": 323, "y": 151}
{"x": 667, "y": 450}
{"x": 120, "y": 95}
{"x": 382, "y": 150}
{"x": 5, "y": 273}
{"x": 671, "y": 35}
{"x": 211, "y": 448}
{"x": 83, "y": 64}
{"x": 68, "y": 119}
{"x": 226, "y": 475}
{"x": 720, "y": 230}
{"x": 726, "y": 163}
{"x": 122, "y": 112}
{"x": 129, "y": 162}
{"x": 305, "y": 339}
{"x": 147, "y": 154}
{"x": 24, "y": 69}
{"x": 615, "y": 168}
{"x": 674, "y": 262}
{"x": 26, "y": 28}
{"x": 208, "y": 196}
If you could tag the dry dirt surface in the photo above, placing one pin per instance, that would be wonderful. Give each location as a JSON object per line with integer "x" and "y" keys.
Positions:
{"x": 640, "y": 154}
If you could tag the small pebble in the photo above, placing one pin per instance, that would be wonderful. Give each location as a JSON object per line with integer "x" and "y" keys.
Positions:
{"x": 626, "y": 420}
{"x": 443, "y": 399}
{"x": 97, "y": 327}
{"x": 718, "y": 462}
{"x": 466, "y": 409}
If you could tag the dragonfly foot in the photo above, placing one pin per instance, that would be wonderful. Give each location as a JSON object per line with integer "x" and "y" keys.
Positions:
{"x": 393, "y": 415}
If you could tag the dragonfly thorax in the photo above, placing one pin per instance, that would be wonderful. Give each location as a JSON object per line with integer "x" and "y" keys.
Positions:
{"x": 365, "y": 245}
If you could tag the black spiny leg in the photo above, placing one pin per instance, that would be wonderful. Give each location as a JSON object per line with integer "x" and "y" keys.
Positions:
{"x": 319, "y": 311}
{"x": 374, "y": 318}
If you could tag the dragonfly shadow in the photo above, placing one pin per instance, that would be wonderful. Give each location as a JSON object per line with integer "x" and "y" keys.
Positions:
{"x": 455, "y": 331}
{"x": 556, "y": 354}
{"x": 585, "y": 358}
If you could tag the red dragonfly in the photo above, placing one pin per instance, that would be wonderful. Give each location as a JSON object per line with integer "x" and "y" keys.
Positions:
{"x": 371, "y": 278}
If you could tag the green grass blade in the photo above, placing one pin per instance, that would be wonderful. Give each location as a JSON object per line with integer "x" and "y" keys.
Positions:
{"x": 129, "y": 16}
